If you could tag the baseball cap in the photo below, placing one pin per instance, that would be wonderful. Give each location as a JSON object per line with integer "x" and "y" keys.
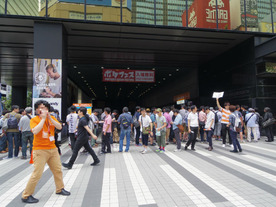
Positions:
{"x": 159, "y": 110}
{"x": 147, "y": 110}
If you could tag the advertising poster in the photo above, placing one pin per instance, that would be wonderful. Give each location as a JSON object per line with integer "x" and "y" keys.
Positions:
{"x": 130, "y": 76}
{"x": 251, "y": 13}
{"x": 202, "y": 14}
{"x": 86, "y": 105}
{"x": 47, "y": 81}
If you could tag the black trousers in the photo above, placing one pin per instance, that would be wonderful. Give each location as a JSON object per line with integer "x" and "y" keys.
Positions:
{"x": 72, "y": 140}
{"x": 106, "y": 142}
{"x": 224, "y": 130}
{"x": 269, "y": 133}
{"x": 192, "y": 137}
{"x": 82, "y": 142}
{"x": 137, "y": 135}
{"x": 57, "y": 143}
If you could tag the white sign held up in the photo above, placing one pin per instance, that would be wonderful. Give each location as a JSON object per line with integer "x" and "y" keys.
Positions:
{"x": 218, "y": 94}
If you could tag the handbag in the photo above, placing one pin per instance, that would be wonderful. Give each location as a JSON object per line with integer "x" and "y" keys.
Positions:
{"x": 180, "y": 127}
{"x": 268, "y": 122}
{"x": 145, "y": 130}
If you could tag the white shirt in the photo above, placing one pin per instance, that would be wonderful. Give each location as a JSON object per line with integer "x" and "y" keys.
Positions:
{"x": 72, "y": 120}
{"x": 210, "y": 117}
{"x": 171, "y": 114}
{"x": 145, "y": 121}
{"x": 193, "y": 117}
{"x": 94, "y": 119}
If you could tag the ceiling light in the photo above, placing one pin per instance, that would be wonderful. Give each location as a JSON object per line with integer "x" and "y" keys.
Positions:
{"x": 177, "y": 69}
{"x": 84, "y": 80}
{"x": 159, "y": 82}
{"x": 153, "y": 68}
{"x": 79, "y": 72}
{"x": 164, "y": 78}
{"x": 128, "y": 68}
{"x": 102, "y": 67}
{"x": 82, "y": 77}
{"x": 75, "y": 66}
{"x": 155, "y": 85}
{"x": 170, "y": 74}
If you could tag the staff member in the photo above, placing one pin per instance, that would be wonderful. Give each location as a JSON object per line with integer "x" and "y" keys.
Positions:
{"x": 44, "y": 151}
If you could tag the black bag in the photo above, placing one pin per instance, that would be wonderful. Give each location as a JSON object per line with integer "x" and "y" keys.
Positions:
{"x": 125, "y": 123}
{"x": 268, "y": 122}
{"x": 12, "y": 122}
{"x": 216, "y": 117}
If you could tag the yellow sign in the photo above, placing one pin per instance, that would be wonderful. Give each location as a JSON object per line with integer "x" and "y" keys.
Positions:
{"x": 86, "y": 105}
{"x": 266, "y": 27}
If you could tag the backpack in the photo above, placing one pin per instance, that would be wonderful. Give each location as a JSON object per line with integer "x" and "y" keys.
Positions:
{"x": 12, "y": 122}
{"x": 216, "y": 117}
{"x": 135, "y": 121}
{"x": 237, "y": 126}
{"x": 125, "y": 122}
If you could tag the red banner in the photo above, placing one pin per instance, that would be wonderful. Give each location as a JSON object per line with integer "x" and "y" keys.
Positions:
{"x": 202, "y": 14}
{"x": 134, "y": 76}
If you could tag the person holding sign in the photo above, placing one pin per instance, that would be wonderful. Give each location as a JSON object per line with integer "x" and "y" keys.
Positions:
{"x": 225, "y": 122}
{"x": 44, "y": 151}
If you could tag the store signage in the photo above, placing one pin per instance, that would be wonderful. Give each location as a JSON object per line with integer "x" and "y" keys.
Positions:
{"x": 136, "y": 76}
{"x": 79, "y": 15}
{"x": 47, "y": 81}
{"x": 202, "y": 14}
{"x": 86, "y": 105}
{"x": 251, "y": 13}
{"x": 183, "y": 96}
{"x": 180, "y": 102}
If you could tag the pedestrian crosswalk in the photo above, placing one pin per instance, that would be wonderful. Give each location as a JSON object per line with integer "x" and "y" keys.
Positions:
{"x": 187, "y": 178}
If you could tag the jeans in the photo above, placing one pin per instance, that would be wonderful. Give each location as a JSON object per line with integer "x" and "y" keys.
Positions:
{"x": 209, "y": 134}
{"x": 27, "y": 136}
{"x": 125, "y": 132}
{"x": 177, "y": 138}
{"x": 217, "y": 131}
{"x": 192, "y": 137}
{"x": 13, "y": 136}
{"x": 82, "y": 142}
{"x": 201, "y": 129}
{"x": 137, "y": 135}
{"x": 106, "y": 142}
{"x": 224, "y": 130}
{"x": 236, "y": 142}
{"x": 3, "y": 143}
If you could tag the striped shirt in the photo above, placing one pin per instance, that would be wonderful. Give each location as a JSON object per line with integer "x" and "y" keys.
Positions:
{"x": 225, "y": 116}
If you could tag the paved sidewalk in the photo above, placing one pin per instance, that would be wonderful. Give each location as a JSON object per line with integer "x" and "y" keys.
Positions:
{"x": 187, "y": 178}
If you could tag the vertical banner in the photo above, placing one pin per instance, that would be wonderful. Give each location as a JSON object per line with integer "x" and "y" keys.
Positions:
{"x": 47, "y": 82}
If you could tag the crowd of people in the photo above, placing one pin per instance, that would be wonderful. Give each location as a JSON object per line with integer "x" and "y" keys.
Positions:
{"x": 20, "y": 130}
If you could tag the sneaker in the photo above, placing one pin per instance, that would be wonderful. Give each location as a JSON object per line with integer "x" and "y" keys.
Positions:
{"x": 7, "y": 158}
{"x": 158, "y": 150}
{"x": 95, "y": 163}
{"x": 162, "y": 151}
{"x": 30, "y": 199}
{"x": 223, "y": 145}
{"x": 144, "y": 152}
{"x": 177, "y": 150}
{"x": 240, "y": 150}
{"x": 231, "y": 146}
{"x": 67, "y": 165}
{"x": 235, "y": 151}
{"x": 153, "y": 144}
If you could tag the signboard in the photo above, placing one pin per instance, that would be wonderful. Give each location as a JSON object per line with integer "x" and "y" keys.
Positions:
{"x": 89, "y": 2}
{"x": 134, "y": 76}
{"x": 180, "y": 102}
{"x": 251, "y": 13}
{"x": 79, "y": 15}
{"x": 266, "y": 27}
{"x": 86, "y": 105}
{"x": 47, "y": 81}
{"x": 183, "y": 96}
{"x": 125, "y": 3}
{"x": 202, "y": 14}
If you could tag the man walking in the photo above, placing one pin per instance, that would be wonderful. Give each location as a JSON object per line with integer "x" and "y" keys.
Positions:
{"x": 82, "y": 139}
{"x": 27, "y": 135}
{"x": 209, "y": 126}
{"x": 192, "y": 128}
{"x": 126, "y": 123}
{"x": 251, "y": 124}
{"x": 44, "y": 151}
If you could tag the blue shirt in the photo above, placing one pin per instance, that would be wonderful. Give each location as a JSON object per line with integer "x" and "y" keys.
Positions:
{"x": 129, "y": 119}
{"x": 177, "y": 121}
{"x": 153, "y": 117}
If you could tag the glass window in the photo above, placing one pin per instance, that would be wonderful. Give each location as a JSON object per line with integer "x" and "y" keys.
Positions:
{"x": 66, "y": 9}
{"x": 138, "y": 11}
{"x": 25, "y": 8}
{"x": 170, "y": 12}
{"x": 2, "y": 6}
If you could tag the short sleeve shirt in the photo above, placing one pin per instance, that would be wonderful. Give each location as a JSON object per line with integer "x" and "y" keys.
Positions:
{"x": 82, "y": 132}
{"x": 41, "y": 142}
{"x": 193, "y": 117}
{"x": 160, "y": 122}
{"x": 210, "y": 117}
{"x": 72, "y": 120}
{"x": 225, "y": 116}
{"x": 107, "y": 121}
{"x": 145, "y": 121}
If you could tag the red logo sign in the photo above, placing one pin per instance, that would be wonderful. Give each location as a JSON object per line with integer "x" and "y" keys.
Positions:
{"x": 118, "y": 75}
{"x": 202, "y": 14}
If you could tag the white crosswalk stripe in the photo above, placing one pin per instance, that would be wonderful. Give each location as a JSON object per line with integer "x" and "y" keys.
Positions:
{"x": 263, "y": 161}
{"x": 109, "y": 190}
{"x": 201, "y": 200}
{"x": 69, "y": 179}
{"x": 260, "y": 148}
{"x": 142, "y": 192}
{"x": 249, "y": 168}
{"x": 230, "y": 195}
